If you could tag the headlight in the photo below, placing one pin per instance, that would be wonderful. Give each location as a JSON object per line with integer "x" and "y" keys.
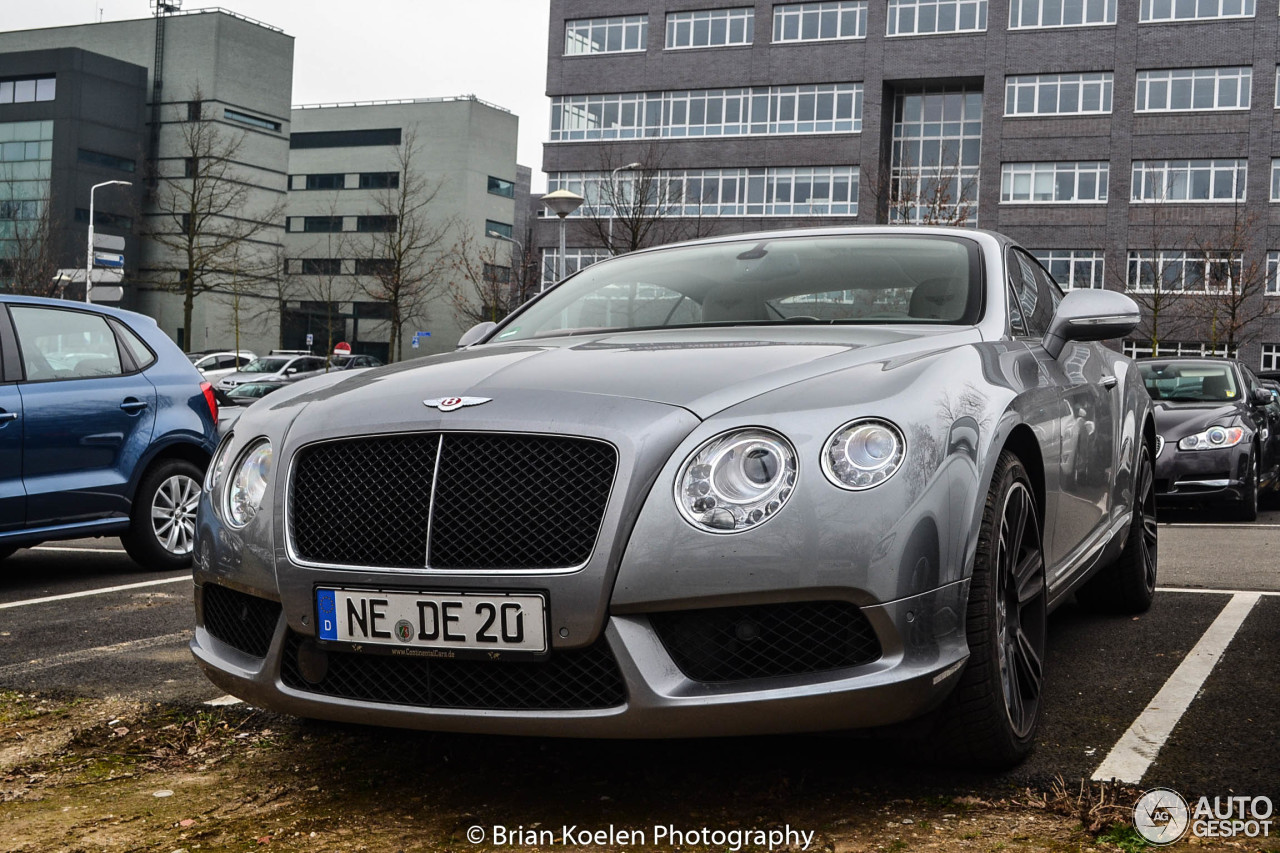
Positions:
{"x": 248, "y": 483}
{"x": 864, "y": 453}
{"x": 1213, "y": 438}
{"x": 736, "y": 480}
{"x": 213, "y": 476}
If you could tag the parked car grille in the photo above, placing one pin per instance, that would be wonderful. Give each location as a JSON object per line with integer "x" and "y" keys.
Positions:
{"x": 242, "y": 621}
{"x": 494, "y": 501}
{"x": 760, "y": 641}
{"x": 574, "y": 680}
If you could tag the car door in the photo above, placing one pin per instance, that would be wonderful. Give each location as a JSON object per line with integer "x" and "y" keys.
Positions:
{"x": 1267, "y": 417}
{"x": 1085, "y": 376}
{"x": 13, "y": 497}
{"x": 88, "y": 415}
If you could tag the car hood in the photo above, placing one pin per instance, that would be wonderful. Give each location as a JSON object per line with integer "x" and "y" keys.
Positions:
{"x": 703, "y": 371}
{"x": 1177, "y": 420}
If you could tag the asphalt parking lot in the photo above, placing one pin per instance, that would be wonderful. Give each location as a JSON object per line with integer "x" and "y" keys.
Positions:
{"x": 1184, "y": 696}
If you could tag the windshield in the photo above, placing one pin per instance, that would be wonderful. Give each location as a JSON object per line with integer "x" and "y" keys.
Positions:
{"x": 874, "y": 278}
{"x": 253, "y": 389}
{"x": 265, "y": 365}
{"x": 1190, "y": 381}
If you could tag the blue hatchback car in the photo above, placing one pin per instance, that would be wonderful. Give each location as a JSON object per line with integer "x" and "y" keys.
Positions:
{"x": 105, "y": 430}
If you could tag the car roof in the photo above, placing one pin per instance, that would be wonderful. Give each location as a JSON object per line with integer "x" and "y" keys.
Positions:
{"x": 120, "y": 313}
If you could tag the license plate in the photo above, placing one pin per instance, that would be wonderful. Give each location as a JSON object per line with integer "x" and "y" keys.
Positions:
{"x": 441, "y": 621}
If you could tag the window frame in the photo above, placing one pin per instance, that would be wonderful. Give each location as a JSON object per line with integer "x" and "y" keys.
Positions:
{"x": 623, "y": 23}
{"x": 128, "y": 365}
{"x": 1189, "y": 169}
{"x": 783, "y": 12}
{"x": 1145, "y": 15}
{"x": 692, "y": 19}
{"x": 1039, "y": 84}
{"x": 1011, "y": 172}
{"x": 1018, "y": 7}
{"x": 1150, "y": 80}
{"x": 897, "y": 8}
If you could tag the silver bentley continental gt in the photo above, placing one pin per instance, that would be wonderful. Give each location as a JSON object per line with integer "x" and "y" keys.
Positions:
{"x": 794, "y": 481}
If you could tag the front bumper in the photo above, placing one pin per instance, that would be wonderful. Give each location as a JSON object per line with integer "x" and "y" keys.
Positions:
{"x": 922, "y": 651}
{"x": 1188, "y": 477}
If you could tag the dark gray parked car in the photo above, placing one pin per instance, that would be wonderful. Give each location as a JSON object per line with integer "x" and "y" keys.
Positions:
{"x": 793, "y": 481}
{"x": 280, "y": 365}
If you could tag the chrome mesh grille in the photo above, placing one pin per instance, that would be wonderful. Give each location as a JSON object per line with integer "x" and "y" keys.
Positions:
{"x": 498, "y": 501}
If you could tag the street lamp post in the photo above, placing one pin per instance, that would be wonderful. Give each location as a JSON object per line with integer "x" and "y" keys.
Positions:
{"x": 562, "y": 203}
{"x": 88, "y": 261}
{"x": 613, "y": 197}
{"x": 519, "y": 248}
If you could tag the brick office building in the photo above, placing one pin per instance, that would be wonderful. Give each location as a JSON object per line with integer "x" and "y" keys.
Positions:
{"x": 1123, "y": 142}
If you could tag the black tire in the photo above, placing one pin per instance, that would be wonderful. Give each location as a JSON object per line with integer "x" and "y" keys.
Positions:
{"x": 6, "y": 551}
{"x": 1129, "y": 583}
{"x": 1248, "y": 508}
{"x": 172, "y": 488}
{"x": 990, "y": 719}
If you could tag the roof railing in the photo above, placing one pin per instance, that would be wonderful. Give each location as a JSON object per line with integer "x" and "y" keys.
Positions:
{"x": 328, "y": 106}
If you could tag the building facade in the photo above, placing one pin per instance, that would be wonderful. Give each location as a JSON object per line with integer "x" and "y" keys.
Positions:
{"x": 216, "y": 95}
{"x": 1129, "y": 145}
{"x": 397, "y": 194}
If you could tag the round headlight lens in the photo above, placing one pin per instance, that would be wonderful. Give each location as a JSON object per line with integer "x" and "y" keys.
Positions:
{"x": 863, "y": 454}
{"x": 737, "y": 480}
{"x": 248, "y": 484}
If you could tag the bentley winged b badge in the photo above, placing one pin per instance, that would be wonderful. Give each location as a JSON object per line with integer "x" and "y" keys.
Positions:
{"x": 448, "y": 404}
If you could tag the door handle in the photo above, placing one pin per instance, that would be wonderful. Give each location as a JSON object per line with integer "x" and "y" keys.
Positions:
{"x": 133, "y": 406}
{"x": 5, "y": 417}
{"x": 1109, "y": 382}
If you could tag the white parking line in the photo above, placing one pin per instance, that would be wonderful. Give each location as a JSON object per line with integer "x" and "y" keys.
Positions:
{"x": 79, "y": 550}
{"x": 98, "y": 591}
{"x": 83, "y": 655}
{"x": 1138, "y": 747}
{"x": 1217, "y": 591}
{"x": 1234, "y": 526}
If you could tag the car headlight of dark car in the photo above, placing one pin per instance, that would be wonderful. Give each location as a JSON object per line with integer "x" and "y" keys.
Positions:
{"x": 737, "y": 480}
{"x": 1214, "y": 438}
{"x": 863, "y": 453}
{"x": 248, "y": 483}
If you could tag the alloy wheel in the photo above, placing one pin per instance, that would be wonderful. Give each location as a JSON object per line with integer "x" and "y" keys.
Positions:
{"x": 1020, "y": 609}
{"x": 1148, "y": 542}
{"x": 173, "y": 513}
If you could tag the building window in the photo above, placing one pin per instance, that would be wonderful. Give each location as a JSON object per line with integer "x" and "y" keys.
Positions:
{"x": 826, "y": 21}
{"x": 321, "y": 224}
{"x": 345, "y": 138}
{"x": 502, "y": 229}
{"x": 606, "y": 35}
{"x": 496, "y": 273}
{"x": 377, "y": 224}
{"x": 1152, "y": 11}
{"x": 761, "y": 110}
{"x": 322, "y": 266}
{"x": 252, "y": 121}
{"x": 1073, "y": 268}
{"x": 574, "y": 260}
{"x": 776, "y": 191}
{"x": 1186, "y": 89}
{"x": 100, "y": 217}
{"x": 1039, "y": 14}
{"x": 1189, "y": 180}
{"x": 1179, "y": 271}
{"x": 374, "y": 267}
{"x": 379, "y": 180}
{"x": 1177, "y": 349}
{"x": 1273, "y": 282}
{"x": 498, "y": 186}
{"x": 190, "y": 167}
{"x": 923, "y": 17}
{"x": 28, "y": 90}
{"x": 710, "y": 28}
{"x": 1270, "y": 357}
{"x": 330, "y": 181}
{"x": 936, "y": 154}
{"x": 1054, "y": 183}
{"x": 1058, "y": 94}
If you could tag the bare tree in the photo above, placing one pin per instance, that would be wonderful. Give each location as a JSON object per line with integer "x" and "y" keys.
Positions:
{"x": 1153, "y": 277}
{"x": 408, "y": 254}
{"x": 1234, "y": 298}
{"x": 320, "y": 277}
{"x": 27, "y": 262}
{"x": 207, "y": 220}
{"x": 247, "y": 290}
{"x": 488, "y": 281}
{"x": 911, "y": 194}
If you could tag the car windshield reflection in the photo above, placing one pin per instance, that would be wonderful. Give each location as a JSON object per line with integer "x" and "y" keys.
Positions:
{"x": 1190, "y": 382}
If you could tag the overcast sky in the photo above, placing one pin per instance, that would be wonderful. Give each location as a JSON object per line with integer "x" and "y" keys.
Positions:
{"x": 373, "y": 50}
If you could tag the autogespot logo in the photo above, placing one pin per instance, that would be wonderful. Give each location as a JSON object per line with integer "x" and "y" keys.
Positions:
{"x": 1161, "y": 816}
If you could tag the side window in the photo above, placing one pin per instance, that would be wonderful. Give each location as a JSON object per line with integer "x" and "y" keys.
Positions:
{"x": 142, "y": 355}
{"x": 245, "y": 360}
{"x": 1034, "y": 300}
{"x": 58, "y": 344}
{"x": 1050, "y": 292}
{"x": 1017, "y": 327}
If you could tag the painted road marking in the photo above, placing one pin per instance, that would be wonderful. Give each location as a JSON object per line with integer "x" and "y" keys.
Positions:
{"x": 82, "y": 656}
{"x": 1217, "y": 591}
{"x": 78, "y": 550}
{"x": 1138, "y": 747}
{"x": 98, "y": 591}
{"x": 1233, "y": 526}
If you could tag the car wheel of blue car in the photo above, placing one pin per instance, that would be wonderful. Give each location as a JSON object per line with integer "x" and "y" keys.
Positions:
{"x": 162, "y": 531}
{"x": 990, "y": 718}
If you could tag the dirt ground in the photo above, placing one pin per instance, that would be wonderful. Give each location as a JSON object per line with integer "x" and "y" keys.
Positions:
{"x": 113, "y": 775}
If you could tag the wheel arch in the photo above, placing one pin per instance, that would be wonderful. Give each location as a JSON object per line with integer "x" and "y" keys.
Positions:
{"x": 187, "y": 451}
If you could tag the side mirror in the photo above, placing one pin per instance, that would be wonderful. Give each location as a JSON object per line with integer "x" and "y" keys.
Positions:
{"x": 1262, "y": 397}
{"x": 1091, "y": 315}
{"x": 291, "y": 371}
{"x": 476, "y": 333}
